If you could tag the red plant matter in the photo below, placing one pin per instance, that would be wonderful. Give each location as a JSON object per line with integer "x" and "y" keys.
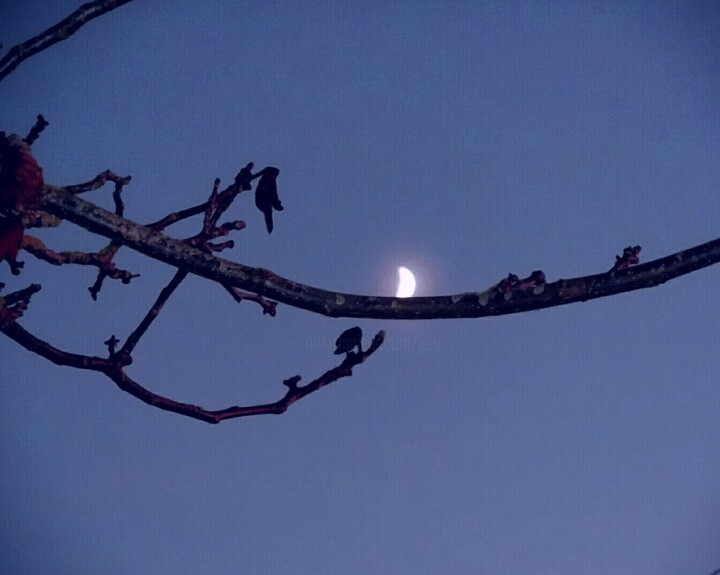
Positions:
{"x": 535, "y": 279}
{"x": 628, "y": 258}
{"x": 11, "y": 235}
{"x": 21, "y": 178}
{"x": 506, "y": 284}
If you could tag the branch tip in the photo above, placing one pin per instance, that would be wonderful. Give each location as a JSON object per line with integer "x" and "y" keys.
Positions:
{"x": 40, "y": 124}
{"x": 292, "y": 382}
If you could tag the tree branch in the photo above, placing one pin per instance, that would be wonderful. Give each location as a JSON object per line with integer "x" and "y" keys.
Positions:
{"x": 488, "y": 302}
{"x": 112, "y": 368}
{"x": 60, "y": 31}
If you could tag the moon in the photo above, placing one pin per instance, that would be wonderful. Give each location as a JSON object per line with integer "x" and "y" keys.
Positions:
{"x": 406, "y": 283}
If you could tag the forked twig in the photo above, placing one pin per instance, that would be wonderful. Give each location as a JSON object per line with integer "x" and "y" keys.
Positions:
{"x": 113, "y": 368}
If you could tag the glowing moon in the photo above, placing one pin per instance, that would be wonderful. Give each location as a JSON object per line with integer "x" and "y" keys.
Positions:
{"x": 406, "y": 285}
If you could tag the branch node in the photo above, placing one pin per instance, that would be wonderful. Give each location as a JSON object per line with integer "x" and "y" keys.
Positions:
{"x": 244, "y": 177}
{"x": 292, "y": 382}
{"x": 112, "y": 344}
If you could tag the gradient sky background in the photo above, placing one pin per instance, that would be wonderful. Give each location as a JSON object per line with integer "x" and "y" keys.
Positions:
{"x": 462, "y": 140}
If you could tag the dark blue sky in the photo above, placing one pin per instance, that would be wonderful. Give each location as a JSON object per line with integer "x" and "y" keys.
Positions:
{"x": 463, "y": 141}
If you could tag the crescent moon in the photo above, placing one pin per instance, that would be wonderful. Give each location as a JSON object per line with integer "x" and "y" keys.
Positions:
{"x": 406, "y": 284}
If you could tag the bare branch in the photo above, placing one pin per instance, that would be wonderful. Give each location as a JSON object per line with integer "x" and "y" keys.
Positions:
{"x": 465, "y": 305}
{"x": 14, "y": 304}
{"x": 165, "y": 294}
{"x": 98, "y": 182}
{"x": 112, "y": 368}
{"x": 268, "y": 307}
{"x": 216, "y": 204}
{"x": 21, "y": 295}
{"x": 213, "y": 208}
{"x": 99, "y": 260}
{"x": 175, "y": 217}
{"x": 60, "y": 31}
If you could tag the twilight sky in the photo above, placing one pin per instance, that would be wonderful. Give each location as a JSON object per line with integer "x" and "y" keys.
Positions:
{"x": 462, "y": 140}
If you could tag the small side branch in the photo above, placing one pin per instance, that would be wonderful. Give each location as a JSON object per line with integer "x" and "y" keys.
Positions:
{"x": 99, "y": 260}
{"x": 98, "y": 182}
{"x": 268, "y": 307}
{"x": 14, "y": 331}
{"x": 14, "y": 304}
{"x": 165, "y": 294}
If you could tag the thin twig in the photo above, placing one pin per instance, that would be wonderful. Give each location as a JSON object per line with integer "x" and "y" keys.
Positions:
{"x": 175, "y": 217}
{"x": 165, "y": 294}
{"x": 268, "y": 307}
{"x": 98, "y": 182}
